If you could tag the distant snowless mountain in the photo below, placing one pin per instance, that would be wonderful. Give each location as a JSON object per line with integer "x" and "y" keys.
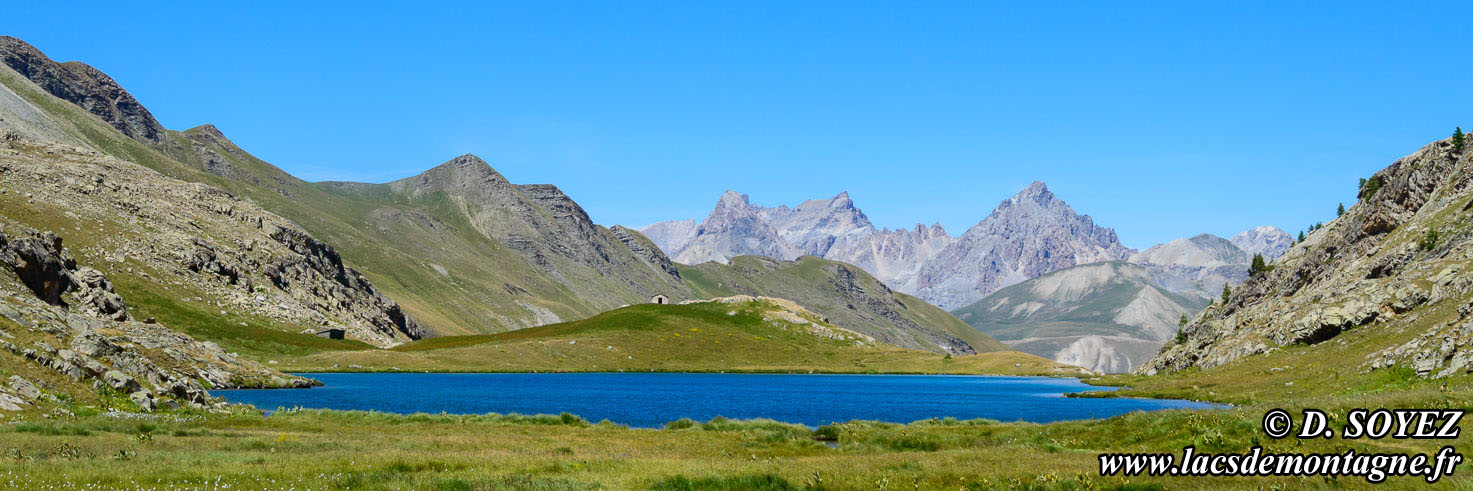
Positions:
{"x": 1030, "y": 234}
{"x": 1111, "y": 322}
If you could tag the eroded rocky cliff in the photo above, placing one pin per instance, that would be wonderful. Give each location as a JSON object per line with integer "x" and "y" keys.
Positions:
{"x": 1399, "y": 259}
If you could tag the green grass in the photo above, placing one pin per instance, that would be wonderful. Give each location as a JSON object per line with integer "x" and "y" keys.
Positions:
{"x": 1094, "y": 313}
{"x": 811, "y": 282}
{"x": 702, "y": 337}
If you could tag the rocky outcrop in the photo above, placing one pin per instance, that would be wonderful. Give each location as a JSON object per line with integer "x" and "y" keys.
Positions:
{"x": 80, "y": 84}
{"x": 177, "y": 235}
{"x": 781, "y": 312}
{"x": 40, "y": 262}
{"x": 1399, "y": 251}
{"x": 645, "y": 250}
{"x": 150, "y": 364}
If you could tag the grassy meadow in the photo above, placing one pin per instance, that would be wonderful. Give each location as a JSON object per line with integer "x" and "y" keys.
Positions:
{"x": 701, "y": 337}
{"x": 308, "y": 449}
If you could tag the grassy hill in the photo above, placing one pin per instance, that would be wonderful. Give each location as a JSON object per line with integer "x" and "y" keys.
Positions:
{"x": 460, "y": 248}
{"x": 845, "y": 294}
{"x": 733, "y": 335}
{"x": 1107, "y": 317}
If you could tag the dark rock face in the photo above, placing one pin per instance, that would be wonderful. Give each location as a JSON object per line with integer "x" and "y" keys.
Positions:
{"x": 84, "y": 86}
{"x": 45, "y": 267}
{"x": 346, "y": 287}
{"x": 645, "y": 249}
{"x": 40, "y": 263}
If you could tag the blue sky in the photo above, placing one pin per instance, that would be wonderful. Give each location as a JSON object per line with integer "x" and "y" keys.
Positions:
{"x": 1159, "y": 119}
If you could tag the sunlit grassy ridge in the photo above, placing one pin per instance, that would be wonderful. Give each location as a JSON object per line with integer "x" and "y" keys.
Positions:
{"x": 813, "y": 282}
{"x": 700, "y": 337}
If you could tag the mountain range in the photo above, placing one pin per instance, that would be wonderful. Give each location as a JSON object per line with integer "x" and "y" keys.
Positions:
{"x": 201, "y": 236}
{"x": 1122, "y": 305}
{"x": 1111, "y": 317}
{"x": 1028, "y": 234}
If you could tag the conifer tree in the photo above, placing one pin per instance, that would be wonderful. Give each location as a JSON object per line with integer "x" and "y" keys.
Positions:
{"x": 1259, "y": 266}
{"x": 1458, "y": 140}
{"x": 1301, "y": 236}
{"x": 1340, "y": 211}
{"x": 1226, "y": 292}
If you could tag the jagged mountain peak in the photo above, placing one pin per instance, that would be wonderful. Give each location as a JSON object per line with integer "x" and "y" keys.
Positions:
{"x": 466, "y": 161}
{"x": 1037, "y": 192}
{"x": 85, "y": 86}
{"x": 731, "y": 200}
{"x": 1027, "y": 235}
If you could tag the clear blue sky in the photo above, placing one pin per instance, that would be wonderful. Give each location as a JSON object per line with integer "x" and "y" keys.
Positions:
{"x": 1160, "y": 119}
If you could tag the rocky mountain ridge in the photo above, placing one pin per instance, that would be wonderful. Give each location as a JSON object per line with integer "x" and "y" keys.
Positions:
{"x": 60, "y": 318}
{"x": 1029, "y": 234}
{"x": 236, "y": 250}
{"x": 1395, "y": 262}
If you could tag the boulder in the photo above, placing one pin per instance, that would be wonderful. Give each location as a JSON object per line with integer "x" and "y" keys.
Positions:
{"x": 121, "y": 381}
{"x": 24, "y": 388}
{"x": 144, "y": 400}
{"x": 10, "y": 403}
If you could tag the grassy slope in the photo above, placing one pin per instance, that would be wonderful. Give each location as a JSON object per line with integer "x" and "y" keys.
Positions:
{"x": 373, "y": 451}
{"x": 688, "y": 338}
{"x": 150, "y": 295}
{"x": 486, "y": 287}
{"x": 797, "y": 280}
{"x": 456, "y": 303}
{"x": 1092, "y": 314}
{"x": 371, "y": 237}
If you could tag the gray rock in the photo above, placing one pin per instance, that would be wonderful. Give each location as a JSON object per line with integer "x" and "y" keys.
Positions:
{"x": 10, "y": 403}
{"x": 120, "y": 381}
{"x": 144, "y": 400}
{"x": 24, "y": 388}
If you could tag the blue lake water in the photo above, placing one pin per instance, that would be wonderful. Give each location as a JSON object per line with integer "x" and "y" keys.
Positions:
{"x": 653, "y": 399}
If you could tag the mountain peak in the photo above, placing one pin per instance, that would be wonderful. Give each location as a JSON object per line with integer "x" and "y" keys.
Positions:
{"x": 732, "y": 198}
{"x": 1265, "y": 239}
{"x": 464, "y": 162}
{"x": 208, "y": 129}
{"x": 1037, "y": 192}
{"x": 466, "y": 171}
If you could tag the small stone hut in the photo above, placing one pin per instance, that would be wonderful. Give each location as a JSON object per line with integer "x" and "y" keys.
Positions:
{"x": 660, "y": 298}
{"x": 331, "y": 333}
